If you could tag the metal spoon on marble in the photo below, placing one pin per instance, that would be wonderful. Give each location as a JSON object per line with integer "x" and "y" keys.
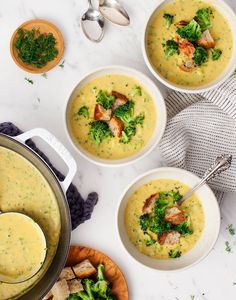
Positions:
{"x": 221, "y": 164}
{"x": 93, "y": 23}
{"x": 114, "y": 12}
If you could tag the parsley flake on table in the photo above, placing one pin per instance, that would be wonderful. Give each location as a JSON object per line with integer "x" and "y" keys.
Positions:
{"x": 29, "y": 80}
{"x": 62, "y": 64}
{"x": 228, "y": 248}
{"x": 231, "y": 229}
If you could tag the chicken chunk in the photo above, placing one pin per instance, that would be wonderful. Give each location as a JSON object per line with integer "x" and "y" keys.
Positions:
{"x": 102, "y": 114}
{"x": 206, "y": 40}
{"x": 188, "y": 66}
{"x": 75, "y": 286}
{"x": 149, "y": 204}
{"x": 186, "y": 48}
{"x": 174, "y": 215}
{"x": 60, "y": 290}
{"x": 120, "y": 99}
{"x": 116, "y": 126}
{"x": 84, "y": 269}
{"x": 67, "y": 274}
{"x": 169, "y": 238}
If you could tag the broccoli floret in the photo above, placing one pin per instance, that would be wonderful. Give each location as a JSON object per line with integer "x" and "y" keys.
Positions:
{"x": 88, "y": 286}
{"x": 104, "y": 99}
{"x": 168, "y": 20}
{"x": 125, "y": 112}
{"x": 191, "y": 32}
{"x": 200, "y": 55}
{"x": 99, "y": 131}
{"x": 171, "y": 48}
{"x": 84, "y": 111}
{"x": 150, "y": 241}
{"x": 216, "y": 54}
{"x": 74, "y": 297}
{"x": 184, "y": 228}
{"x": 137, "y": 91}
{"x": 203, "y": 18}
{"x": 127, "y": 134}
{"x": 174, "y": 253}
{"x": 158, "y": 225}
{"x": 83, "y": 295}
{"x": 101, "y": 287}
{"x": 138, "y": 120}
{"x": 144, "y": 222}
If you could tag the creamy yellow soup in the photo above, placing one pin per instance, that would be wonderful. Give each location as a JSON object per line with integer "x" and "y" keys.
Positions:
{"x": 111, "y": 148}
{"x": 192, "y": 207}
{"x": 158, "y": 34}
{"x": 24, "y": 189}
{"x": 22, "y": 247}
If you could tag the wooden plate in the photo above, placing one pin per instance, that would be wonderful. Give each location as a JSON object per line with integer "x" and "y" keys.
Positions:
{"x": 112, "y": 271}
{"x": 44, "y": 27}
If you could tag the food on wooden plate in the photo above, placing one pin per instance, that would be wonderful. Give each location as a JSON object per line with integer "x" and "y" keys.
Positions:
{"x": 35, "y": 48}
{"x": 81, "y": 282}
{"x": 189, "y": 45}
{"x": 24, "y": 189}
{"x": 112, "y": 117}
{"x": 157, "y": 226}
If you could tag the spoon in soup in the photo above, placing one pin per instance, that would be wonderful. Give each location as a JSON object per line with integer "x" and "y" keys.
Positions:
{"x": 114, "y": 12}
{"x": 221, "y": 164}
{"x": 93, "y": 24}
{"x": 23, "y": 247}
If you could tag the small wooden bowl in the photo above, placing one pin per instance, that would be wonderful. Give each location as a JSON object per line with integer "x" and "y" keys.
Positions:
{"x": 112, "y": 271}
{"x": 44, "y": 27}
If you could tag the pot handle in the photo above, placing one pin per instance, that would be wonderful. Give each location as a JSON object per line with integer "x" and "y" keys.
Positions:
{"x": 52, "y": 141}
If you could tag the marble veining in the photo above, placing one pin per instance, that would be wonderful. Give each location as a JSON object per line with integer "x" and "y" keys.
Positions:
{"x": 42, "y": 104}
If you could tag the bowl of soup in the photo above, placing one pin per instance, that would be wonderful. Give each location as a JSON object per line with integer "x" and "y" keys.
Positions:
{"x": 159, "y": 233}
{"x": 115, "y": 116}
{"x": 190, "y": 48}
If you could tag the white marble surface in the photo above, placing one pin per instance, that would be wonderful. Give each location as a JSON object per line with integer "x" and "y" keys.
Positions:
{"x": 42, "y": 105}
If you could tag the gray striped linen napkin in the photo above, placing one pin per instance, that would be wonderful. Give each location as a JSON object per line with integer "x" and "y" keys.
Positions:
{"x": 200, "y": 127}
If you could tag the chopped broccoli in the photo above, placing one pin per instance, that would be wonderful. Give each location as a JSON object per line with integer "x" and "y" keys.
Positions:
{"x": 144, "y": 221}
{"x": 184, "y": 228}
{"x": 138, "y": 120}
{"x": 83, "y": 296}
{"x": 137, "y": 91}
{"x": 125, "y": 112}
{"x": 158, "y": 225}
{"x": 99, "y": 131}
{"x": 171, "y": 48}
{"x": 127, "y": 134}
{"x": 84, "y": 111}
{"x": 174, "y": 253}
{"x": 192, "y": 32}
{"x": 216, "y": 54}
{"x": 88, "y": 285}
{"x": 104, "y": 99}
{"x": 168, "y": 19}
{"x": 101, "y": 287}
{"x": 200, "y": 55}
{"x": 75, "y": 297}
{"x": 150, "y": 241}
{"x": 203, "y": 18}
{"x": 110, "y": 298}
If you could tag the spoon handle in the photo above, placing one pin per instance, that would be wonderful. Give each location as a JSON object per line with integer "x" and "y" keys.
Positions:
{"x": 221, "y": 164}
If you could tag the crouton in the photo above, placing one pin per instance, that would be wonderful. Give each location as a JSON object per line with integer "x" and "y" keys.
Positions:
{"x": 169, "y": 238}
{"x": 116, "y": 126}
{"x": 60, "y": 290}
{"x": 84, "y": 269}
{"x": 206, "y": 40}
{"x": 188, "y": 66}
{"x": 67, "y": 274}
{"x": 48, "y": 296}
{"x": 102, "y": 114}
{"x": 174, "y": 215}
{"x": 120, "y": 99}
{"x": 186, "y": 48}
{"x": 75, "y": 286}
{"x": 149, "y": 204}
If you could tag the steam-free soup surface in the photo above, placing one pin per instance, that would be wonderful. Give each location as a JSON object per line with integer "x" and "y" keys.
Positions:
{"x": 158, "y": 34}
{"x": 111, "y": 148}
{"x": 24, "y": 189}
{"x": 133, "y": 211}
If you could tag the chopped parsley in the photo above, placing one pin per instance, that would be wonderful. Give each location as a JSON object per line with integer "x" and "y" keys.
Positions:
{"x": 228, "y": 248}
{"x": 231, "y": 229}
{"x": 62, "y": 64}
{"x": 45, "y": 75}
{"x": 29, "y": 80}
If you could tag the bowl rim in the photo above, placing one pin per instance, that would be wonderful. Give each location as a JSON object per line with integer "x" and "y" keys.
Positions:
{"x": 168, "y": 84}
{"x": 118, "y": 162}
{"x": 142, "y": 176}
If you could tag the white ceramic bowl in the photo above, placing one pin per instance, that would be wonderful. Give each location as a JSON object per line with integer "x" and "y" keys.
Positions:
{"x": 230, "y": 16}
{"x": 208, "y": 237}
{"x": 159, "y": 103}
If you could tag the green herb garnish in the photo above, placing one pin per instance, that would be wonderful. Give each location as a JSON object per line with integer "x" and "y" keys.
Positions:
{"x": 228, "y": 248}
{"x": 231, "y": 229}
{"x": 174, "y": 253}
{"x": 84, "y": 111}
{"x": 45, "y": 75}
{"x": 35, "y": 48}
{"x": 216, "y": 54}
{"x": 168, "y": 20}
{"x": 29, "y": 80}
{"x": 62, "y": 64}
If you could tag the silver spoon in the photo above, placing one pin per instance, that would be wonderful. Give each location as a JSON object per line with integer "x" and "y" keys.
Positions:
{"x": 222, "y": 163}
{"x": 114, "y": 12}
{"x": 92, "y": 23}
